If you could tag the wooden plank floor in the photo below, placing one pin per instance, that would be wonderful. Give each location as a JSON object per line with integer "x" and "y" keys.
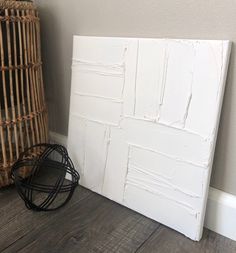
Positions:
{"x": 91, "y": 223}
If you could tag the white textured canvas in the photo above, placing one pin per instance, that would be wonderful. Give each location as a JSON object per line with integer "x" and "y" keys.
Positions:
{"x": 144, "y": 117}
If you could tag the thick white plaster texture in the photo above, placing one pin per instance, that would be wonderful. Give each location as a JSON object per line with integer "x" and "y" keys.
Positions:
{"x": 144, "y": 117}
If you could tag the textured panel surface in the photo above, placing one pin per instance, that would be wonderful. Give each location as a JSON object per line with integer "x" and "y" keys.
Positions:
{"x": 143, "y": 123}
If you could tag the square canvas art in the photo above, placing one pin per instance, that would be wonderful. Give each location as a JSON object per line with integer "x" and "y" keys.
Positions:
{"x": 144, "y": 116}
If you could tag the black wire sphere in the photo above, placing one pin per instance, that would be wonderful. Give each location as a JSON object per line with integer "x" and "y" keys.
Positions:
{"x": 46, "y": 186}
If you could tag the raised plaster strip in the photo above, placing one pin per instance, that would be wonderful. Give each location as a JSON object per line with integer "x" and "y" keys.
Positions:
{"x": 164, "y": 75}
{"x": 113, "y": 100}
{"x": 159, "y": 175}
{"x": 221, "y": 70}
{"x": 124, "y": 69}
{"x": 149, "y": 180}
{"x": 96, "y": 155}
{"x": 187, "y": 108}
{"x": 202, "y": 116}
{"x": 149, "y": 77}
{"x": 177, "y": 173}
{"x": 99, "y": 69}
{"x": 178, "y": 83}
{"x": 221, "y": 79}
{"x": 169, "y": 156}
{"x": 111, "y": 66}
{"x": 124, "y": 81}
{"x": 155, "y": 179}
{"x": 93, "y": 120}
{"x": 221, "y": 75}
{"x": 190, "y": 92}
{"x": 116, "y": 168}
{"x": 126, "y": 175}
{"x": 205, "y": 138}
{"x": 90, "y": 83}
{"x": 163, "y": 83}
{"x": 98, "y": 109}
{"x": 136, "y": 75}
{"x": 125, "y": 52}
{"x": 179, "y": 144}
{"x": 102, "y": 73}
{"x": 189, "y": 208}
{"x": 78, "y": 129}
{"x": 108, "y": 138}
{"x": 130, "y": 70}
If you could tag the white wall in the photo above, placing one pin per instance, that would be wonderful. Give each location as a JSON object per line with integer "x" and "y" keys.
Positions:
{"x": 211, "y": 19}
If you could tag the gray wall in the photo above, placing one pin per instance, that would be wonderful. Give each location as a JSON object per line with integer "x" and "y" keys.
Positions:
{"x": 201, "y": 19}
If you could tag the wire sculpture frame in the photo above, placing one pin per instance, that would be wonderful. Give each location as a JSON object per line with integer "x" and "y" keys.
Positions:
{"x": 44, "y": 196}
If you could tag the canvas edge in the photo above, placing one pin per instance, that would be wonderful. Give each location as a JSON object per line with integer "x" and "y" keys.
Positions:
{"x": 220, "y": 105}
{"x": 75, "y": 37}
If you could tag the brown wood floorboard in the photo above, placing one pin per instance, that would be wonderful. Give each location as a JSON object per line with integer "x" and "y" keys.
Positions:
{"x": 166, "y": 240}
{"x": 92, "y": 223}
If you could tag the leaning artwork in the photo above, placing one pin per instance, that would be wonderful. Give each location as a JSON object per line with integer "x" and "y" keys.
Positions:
{"x": 144, "y": 117}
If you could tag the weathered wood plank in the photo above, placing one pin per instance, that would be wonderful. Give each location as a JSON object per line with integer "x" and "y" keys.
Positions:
{"x": 7, "y": 195}
{"x": 94, "y": 225}
{"x": 91, "y": 223}
{"x": 25, "y": 221}
{"x": 166, "y": 240}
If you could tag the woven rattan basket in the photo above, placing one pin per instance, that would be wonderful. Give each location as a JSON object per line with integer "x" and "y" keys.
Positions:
{"x": 23, "y": 115}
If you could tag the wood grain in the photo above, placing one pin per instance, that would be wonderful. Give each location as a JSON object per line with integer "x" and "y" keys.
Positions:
{"x": 26, "y": 222}
{"x": 166, "y": 240}
{"x": 92, "y": 223}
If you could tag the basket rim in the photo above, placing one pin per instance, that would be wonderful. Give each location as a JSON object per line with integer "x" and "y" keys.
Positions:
{"x": 14, "y": 4}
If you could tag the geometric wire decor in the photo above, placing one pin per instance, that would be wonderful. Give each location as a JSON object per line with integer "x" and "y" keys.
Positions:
{"x": 50, "y": 192}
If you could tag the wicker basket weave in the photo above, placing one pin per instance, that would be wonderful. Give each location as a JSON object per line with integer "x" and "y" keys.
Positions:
{"x": 23, "y": 114}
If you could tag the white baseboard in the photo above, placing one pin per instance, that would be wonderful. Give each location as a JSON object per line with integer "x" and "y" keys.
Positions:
{"x": 58, "y": 138}
{"x": 221, "y": 213}
{"x": 221, "y": 206}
